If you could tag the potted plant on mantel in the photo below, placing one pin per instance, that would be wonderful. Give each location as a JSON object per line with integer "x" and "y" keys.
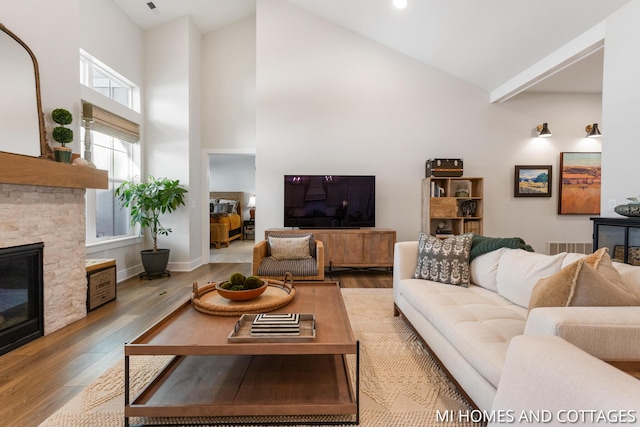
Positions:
{"x": 63, "y": 135}
{"x": 148, "y": 200}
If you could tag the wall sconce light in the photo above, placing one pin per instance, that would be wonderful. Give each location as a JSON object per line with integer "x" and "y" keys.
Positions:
{"x": 543, "y": 131}
{"x": 593, "y": 131}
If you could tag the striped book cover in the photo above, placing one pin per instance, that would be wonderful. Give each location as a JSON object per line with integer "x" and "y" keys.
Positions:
{"x": 272, "y": 324}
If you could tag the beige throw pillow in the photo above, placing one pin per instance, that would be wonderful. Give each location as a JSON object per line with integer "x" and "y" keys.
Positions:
{"x": 592, "y": 281}
{"x": 289, "y": 247}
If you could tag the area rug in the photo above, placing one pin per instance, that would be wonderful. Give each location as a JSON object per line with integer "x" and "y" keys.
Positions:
{"x": 400, "y": 383}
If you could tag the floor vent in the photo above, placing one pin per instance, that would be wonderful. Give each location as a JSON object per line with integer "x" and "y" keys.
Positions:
{"x": 577, "y": 247}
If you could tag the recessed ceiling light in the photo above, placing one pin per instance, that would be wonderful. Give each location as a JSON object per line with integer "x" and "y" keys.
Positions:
{"x": 400, "y": 4}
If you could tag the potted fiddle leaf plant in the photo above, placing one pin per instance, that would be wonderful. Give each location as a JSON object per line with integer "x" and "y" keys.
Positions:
{"x": 147, "y": 201}
{"x": 62, "y": 134}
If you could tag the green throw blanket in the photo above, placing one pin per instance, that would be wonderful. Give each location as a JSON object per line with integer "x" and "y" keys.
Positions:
{"x": 481, "y": 245}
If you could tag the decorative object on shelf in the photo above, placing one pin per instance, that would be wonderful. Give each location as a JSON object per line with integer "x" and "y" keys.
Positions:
{"x": 593, "y": 131}
{"x": 62, "y": 134}
{"x": 252, "y": 207}
{"x": 468, "y": 207}
{"x": 443, "y": 168}
{"x": 436, "y": 190}
{"x": 633, "y": 257}
{"x": 462, "y": 190}
{"x": 147, "y": 201}
{"x": 634, "y": 200}
{"x": 580, "y": 176}
{"x": 532, "y": 181}
{"x": 543, "y": 131}
{"x": 443, "y": 228}
{"x": 630, "y": 210}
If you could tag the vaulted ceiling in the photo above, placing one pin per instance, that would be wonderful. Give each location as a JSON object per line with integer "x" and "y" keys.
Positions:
{"x": 485, "y": 43}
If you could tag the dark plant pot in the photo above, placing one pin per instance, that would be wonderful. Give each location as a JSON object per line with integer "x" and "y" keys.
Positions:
{"x": 155, "y": 264}
{"x": 63, "y": 154}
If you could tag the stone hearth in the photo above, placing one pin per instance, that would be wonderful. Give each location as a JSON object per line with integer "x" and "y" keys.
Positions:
{"x": 56, "y": 217}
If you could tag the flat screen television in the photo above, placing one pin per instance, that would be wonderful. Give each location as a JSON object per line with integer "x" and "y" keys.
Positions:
{"x": 329, "y": 201}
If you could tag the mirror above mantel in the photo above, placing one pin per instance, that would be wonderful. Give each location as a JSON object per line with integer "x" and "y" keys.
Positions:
{"x": 22, "y": 129}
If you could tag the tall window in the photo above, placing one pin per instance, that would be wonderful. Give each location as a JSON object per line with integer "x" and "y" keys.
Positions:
{"x": 115, "y": 148}
{"x": 104, "y": 80}
{"x": 117, "y": 157}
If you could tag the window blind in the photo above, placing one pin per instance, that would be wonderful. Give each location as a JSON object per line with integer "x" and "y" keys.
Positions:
{"x": 110, "y": 124}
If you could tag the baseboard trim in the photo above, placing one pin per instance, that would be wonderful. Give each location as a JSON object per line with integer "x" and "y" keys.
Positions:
{"x": 185, "y": 266}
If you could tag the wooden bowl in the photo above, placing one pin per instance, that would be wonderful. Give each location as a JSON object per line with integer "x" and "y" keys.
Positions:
{"x": 245, "y": 295}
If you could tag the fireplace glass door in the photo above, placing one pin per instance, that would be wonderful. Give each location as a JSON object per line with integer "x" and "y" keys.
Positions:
{"x": 21, "y": 286}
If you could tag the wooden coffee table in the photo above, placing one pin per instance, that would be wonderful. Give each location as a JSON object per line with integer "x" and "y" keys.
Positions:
{"x": 209, "y": 376}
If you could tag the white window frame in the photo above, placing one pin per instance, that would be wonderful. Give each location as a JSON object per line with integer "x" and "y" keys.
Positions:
{"x": 134, "y": 232}
{"x": 131, "y": 112}
{"x": 89, "y": 64}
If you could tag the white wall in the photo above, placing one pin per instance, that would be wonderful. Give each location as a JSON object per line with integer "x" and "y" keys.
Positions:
{"x": 332, "y": 102}
{"x": 195, "y": 206}
{"x": 620, "y": 106}
{"x": 229, "y": 85}
{"x": 536, "y": 219}
{"x": 123, "y": 51}
{"x": 172, "y": 106}
{"x": 51, "y": 30}
{"x": 113, "y": 38}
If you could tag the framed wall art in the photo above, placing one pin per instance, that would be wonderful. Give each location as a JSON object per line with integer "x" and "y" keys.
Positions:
{"x": 580, "y": 182}
{"x": 532, "y": 181}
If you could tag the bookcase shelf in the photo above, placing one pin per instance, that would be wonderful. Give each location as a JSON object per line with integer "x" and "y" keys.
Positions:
{"x": 452, "y": 206}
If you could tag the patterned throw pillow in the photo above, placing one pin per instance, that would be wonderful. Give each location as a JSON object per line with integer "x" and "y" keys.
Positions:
{"x": 444, "y": 260}
{"x": 289, "y": 247}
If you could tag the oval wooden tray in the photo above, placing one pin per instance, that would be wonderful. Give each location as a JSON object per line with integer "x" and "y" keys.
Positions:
{"x": 206, "y": 299}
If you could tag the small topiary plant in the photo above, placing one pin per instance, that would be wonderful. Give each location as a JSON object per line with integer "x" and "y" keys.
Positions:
{"x": 62, "y": 134}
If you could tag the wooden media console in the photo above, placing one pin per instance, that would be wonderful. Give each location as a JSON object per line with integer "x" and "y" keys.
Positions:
{"x": 359, "y": 248}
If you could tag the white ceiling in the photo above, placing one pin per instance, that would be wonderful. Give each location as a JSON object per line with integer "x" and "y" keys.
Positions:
{"x": 485, "y": 43}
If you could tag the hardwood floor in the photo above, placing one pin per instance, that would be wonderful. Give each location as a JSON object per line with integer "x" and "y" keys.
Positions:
{"x": 37, "y": 379}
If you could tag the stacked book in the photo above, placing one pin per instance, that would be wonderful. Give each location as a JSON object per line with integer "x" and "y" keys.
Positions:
{"x": 276, "y": 324}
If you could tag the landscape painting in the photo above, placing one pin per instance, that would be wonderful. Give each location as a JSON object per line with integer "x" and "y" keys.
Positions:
{"x": 580, "y": 181}
{"x": 532, "y": 181}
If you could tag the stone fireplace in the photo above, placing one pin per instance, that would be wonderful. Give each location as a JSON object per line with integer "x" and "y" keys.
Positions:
{"x": 42, "y": 201}
{"x": 21, "y": 314}
{"x": 55, "y": 217}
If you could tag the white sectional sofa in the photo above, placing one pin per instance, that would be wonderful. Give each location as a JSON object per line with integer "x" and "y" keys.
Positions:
{"x": 469, "y": 329}
{"x": 546, "y": 380}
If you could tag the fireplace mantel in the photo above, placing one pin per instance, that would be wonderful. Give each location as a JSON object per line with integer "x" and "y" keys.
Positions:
{"x": 25, "y": 170}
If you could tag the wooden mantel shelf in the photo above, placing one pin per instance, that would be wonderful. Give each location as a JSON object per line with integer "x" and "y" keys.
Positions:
{"x": 25, "y": 170}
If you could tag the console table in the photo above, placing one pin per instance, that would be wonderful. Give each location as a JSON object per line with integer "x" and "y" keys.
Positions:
{"x": 359, "y": 248}
{"x": 620, "y": 235}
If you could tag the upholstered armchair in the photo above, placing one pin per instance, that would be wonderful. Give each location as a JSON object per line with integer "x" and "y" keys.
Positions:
{"x": 299, "y": 254}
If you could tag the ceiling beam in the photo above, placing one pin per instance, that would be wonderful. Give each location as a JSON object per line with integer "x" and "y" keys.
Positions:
{"x": 579, "y": 48}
